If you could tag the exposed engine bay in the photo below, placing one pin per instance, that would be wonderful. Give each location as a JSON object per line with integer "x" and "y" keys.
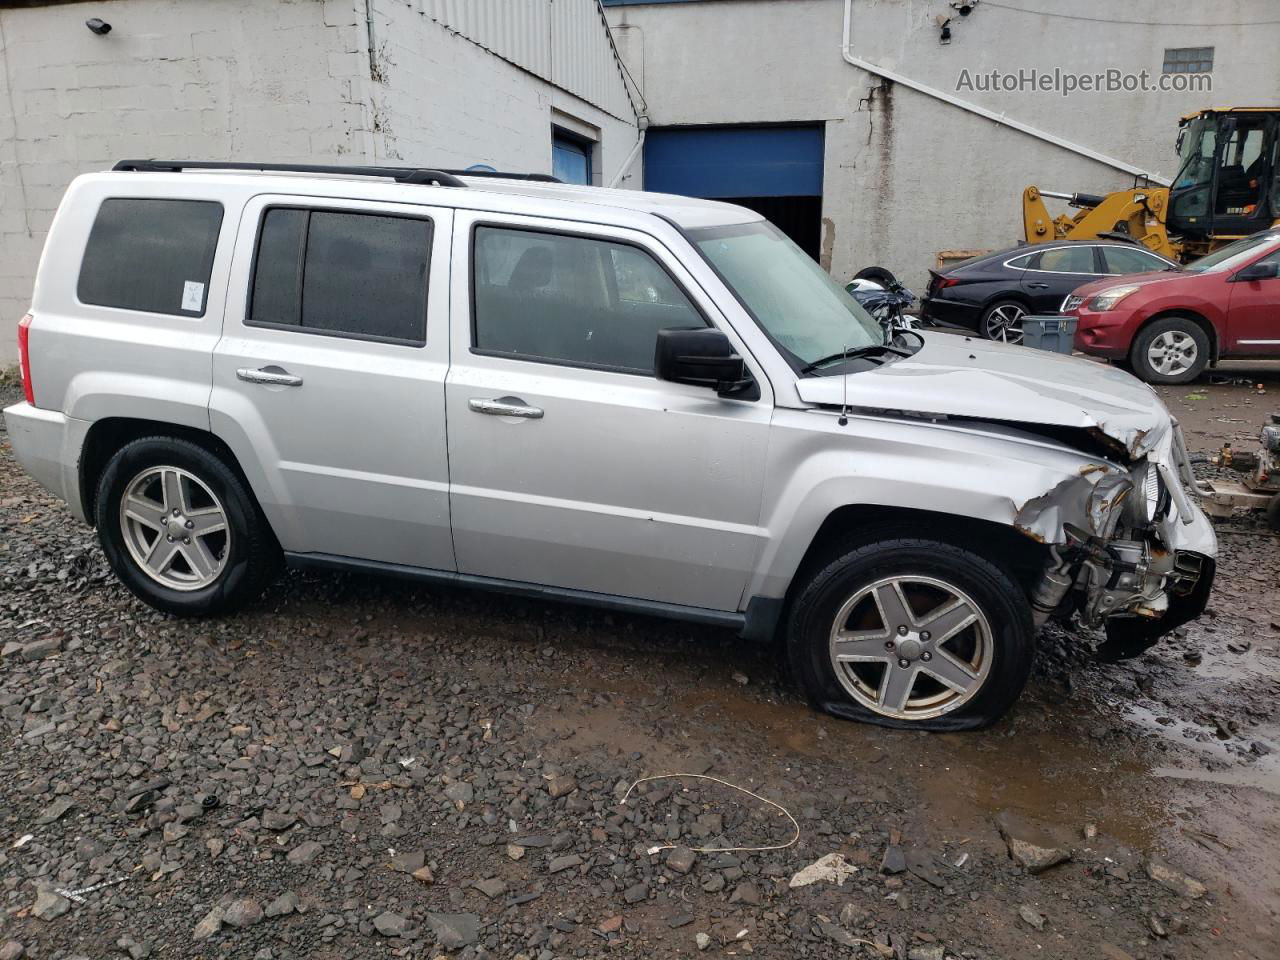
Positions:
{"x": 1110, "y": 536}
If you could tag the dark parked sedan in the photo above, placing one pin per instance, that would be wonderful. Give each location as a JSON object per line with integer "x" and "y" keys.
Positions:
{"x": 992, "y": 293}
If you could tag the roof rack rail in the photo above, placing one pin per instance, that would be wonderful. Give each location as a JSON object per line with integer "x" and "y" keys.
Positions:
{"x": 399, "y": 174}
{"x": 505, "y": 175}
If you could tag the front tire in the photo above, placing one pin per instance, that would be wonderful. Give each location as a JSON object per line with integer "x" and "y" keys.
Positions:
{"x": 912, "y": 633}
{"x": 1170, "y": 350}
{"x": 180, "y": 529}
{"x": 880, "y": 275}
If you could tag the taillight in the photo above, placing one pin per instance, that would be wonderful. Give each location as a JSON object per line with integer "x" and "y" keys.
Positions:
{"x": 24, "y": 358}
{"x": 938, "y": 282}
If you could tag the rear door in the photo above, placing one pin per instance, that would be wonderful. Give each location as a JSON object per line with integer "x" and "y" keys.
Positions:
{"x": 1118, "y": 261}
{"x": 1052, "y": 274}
{"x": 328, "y": 382}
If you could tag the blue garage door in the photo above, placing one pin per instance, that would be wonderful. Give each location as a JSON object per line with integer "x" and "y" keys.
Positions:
{"x": 730, "y": 162}
{"x": 776, "y": 171}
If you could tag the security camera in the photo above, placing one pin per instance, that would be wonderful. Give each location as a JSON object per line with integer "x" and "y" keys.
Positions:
{"x": 100, "y": 27}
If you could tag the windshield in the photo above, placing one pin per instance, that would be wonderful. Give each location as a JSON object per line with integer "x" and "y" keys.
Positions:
{"x": 1195, "y": 152}
{"x": 1233, "y": 254}
{"x": 796, "y": 302}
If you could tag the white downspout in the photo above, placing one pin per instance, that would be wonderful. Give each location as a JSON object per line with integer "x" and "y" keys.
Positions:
{"x": 999, "y": 118}
{"x": 642, "y": 124}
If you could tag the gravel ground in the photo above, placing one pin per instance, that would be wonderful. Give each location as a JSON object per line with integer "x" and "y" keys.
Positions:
{"x": 356, "y": 767}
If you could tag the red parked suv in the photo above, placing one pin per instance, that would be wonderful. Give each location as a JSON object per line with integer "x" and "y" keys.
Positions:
{"x": 1169, "y": 325}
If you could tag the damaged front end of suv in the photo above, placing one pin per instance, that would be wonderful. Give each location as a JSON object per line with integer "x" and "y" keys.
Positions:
{"x": 1081, "y": 459}
{"x": 1128, "y": 550}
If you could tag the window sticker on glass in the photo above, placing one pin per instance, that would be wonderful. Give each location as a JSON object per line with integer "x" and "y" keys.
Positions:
{"x": 192, "y": 296}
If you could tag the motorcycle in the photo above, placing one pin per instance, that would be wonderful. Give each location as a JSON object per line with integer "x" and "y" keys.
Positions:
{"x": 878, "y": 291}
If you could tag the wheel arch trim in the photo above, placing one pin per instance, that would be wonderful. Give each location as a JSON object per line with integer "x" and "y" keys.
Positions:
{"x": 105, "y": 437}
{"x": 818, "y": 468}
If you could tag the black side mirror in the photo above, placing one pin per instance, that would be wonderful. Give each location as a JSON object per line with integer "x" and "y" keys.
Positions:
{"x": 703, "y": 357}
{"x": 1265, "y": 270}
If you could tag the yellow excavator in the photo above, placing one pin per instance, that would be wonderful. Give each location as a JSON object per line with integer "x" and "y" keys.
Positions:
{"x": 1227, "y": 186}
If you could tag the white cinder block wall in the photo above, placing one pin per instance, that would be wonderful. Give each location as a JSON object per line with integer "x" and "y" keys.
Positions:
{"x": 264, "y": 80}
{"x": 906, "y": 175}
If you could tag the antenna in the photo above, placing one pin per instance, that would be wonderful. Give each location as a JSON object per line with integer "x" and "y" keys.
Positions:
{"x": 844, "y": 393}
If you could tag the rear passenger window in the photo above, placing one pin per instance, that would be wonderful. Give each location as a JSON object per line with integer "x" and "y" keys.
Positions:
{"x": 149, "y": 255}
{"x": 360, "y": 275}
{"x": 1067, "y": 260}
{"x": 572, "y": 300}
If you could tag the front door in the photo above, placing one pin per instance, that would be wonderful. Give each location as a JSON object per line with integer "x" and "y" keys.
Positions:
{"x": 571, "y": 465}
{"x": 1054, "y": 273}
{"x": 328, "y": 382}
{"x": 1253, "y": 315}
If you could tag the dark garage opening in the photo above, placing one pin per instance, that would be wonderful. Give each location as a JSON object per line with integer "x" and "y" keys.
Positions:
{"x": 774, "y": 170}
{"x": 800, "y": 218}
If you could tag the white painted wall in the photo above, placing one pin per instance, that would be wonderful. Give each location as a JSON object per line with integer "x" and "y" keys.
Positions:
{"x": 269, "y": 80}
{"x": 907, "y": 175}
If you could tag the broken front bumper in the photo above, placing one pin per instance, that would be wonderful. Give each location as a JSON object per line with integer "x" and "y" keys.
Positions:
{"x": 1129, "y": 547}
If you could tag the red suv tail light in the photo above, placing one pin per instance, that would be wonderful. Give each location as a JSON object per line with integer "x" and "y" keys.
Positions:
{"x": 24, "y": 358}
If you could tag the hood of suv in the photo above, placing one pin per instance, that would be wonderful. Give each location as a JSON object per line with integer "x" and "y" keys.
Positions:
{"x": 965, "y": 377}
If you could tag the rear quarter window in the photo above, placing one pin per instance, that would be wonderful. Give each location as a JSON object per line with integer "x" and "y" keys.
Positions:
{"x": 149, "y": 255}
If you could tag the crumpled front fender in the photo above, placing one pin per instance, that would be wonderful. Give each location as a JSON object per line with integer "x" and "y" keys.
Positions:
{"x": 1089, "y": 501}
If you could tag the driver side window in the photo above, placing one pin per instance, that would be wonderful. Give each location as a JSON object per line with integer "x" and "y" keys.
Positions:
{"x": 579, "y": 301}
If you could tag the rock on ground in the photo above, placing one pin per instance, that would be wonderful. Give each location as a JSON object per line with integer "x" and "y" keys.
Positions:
{"x": 391, "y": 924}
{"x": 1174, "y": 880}
{"x": 242, "y": 913}
{"x": 1029, "y": 845}
{"x": 454, "y": 930}
{"x": 50, "y": 905}
{"x": 832, "y": 868}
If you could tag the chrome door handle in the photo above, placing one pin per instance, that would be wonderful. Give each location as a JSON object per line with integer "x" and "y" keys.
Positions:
{"x": 272, "y": 375}
{"x": 506, "y": 407}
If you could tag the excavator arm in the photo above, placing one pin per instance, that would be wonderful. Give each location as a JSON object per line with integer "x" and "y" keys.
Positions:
{"x": 1137, "y": 214}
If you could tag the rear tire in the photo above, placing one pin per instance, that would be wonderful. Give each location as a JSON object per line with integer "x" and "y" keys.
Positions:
{"x": 852, "y": 655}
{"x": 1170, "y": 350}
{"x": 1002, "y": 321}
{"x": 180, "y": 529}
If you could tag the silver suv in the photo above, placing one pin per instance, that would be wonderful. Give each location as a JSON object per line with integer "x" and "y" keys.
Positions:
{"x": 638, "y": 401}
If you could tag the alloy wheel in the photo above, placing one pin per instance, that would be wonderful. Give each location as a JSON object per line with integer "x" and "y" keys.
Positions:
{"x": 175, "y": 528}
{"x": 1004, "y": 323}
{"x": 1172, "y": 352}
{"x": 911, "y": 647}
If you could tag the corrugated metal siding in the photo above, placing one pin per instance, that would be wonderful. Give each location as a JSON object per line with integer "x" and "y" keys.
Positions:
{"x": 565, "y": 42}
{"x": 516, "y": 30}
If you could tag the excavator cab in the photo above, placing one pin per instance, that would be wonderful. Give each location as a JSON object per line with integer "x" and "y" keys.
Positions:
{"x": 1227, "y": 184}
{"x": 1227, "y": 187}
